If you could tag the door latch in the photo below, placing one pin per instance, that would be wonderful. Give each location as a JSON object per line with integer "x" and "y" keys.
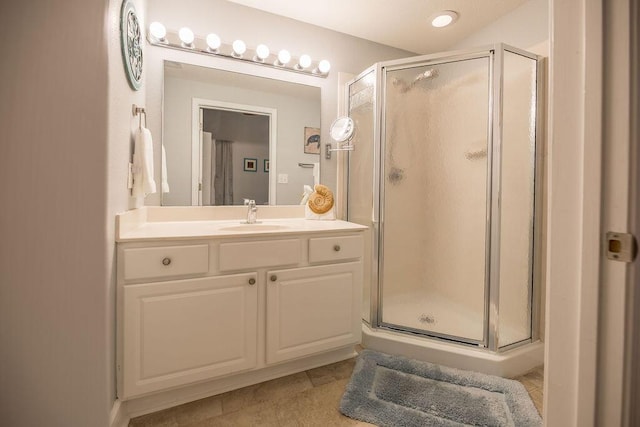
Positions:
{"x": 621, "y": 246}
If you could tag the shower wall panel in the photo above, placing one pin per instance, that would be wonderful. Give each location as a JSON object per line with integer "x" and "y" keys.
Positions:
{"x": 361, "y": 178}
{"x": 517, "y": 198}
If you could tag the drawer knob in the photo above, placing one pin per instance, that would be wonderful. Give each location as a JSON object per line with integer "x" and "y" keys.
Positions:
{"x": 252, "y": 281}
{"x": 166, "y": 261}
{"x": 336, "y": 248}
{"x": 273, "y": 278}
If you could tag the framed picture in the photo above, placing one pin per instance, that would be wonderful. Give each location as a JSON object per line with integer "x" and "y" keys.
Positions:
{"x": 266, "y": 165}
{"x": 250, "y": 165}
{"x": 311, "y": 140}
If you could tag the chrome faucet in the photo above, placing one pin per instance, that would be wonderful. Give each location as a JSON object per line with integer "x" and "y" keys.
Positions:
{"x": 252, "y": 212}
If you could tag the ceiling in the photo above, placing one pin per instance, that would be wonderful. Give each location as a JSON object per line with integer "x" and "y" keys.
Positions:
{"x": 404, "y": 24}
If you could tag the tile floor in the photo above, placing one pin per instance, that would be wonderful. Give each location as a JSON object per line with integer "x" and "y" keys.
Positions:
{"x": 309, "y": 398}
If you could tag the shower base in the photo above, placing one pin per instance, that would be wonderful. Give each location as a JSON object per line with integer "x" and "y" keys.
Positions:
{"x": 508, "y": 364}
{"x": 433, "y": 312}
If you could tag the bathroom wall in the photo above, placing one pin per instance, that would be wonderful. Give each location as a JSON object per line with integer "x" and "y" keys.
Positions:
{"x": 122, "y": 126}
{"x": 293, "y": 114}
{"x": 526, "y": 26}
{"x": 231, "y": 21}
{"x": 56, "y": 310}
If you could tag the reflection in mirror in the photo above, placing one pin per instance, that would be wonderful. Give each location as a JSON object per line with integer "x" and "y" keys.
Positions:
{"x": 231, "y": 136}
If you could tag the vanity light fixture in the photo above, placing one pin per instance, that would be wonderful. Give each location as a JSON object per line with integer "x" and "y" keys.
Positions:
{"x": 262, "y": 53}
{"x": 186, "y": 36}
{"x": 444, "y": 18}
{"x": 212, "y": 45}
{"x": 213, "y": 42}
{"x": 303, "y": 62}
{"x": 239, "y": 47}
{"x": 284, "y": 57}
{"x": 158, "y": 32}
{"x": 323, "y": 67}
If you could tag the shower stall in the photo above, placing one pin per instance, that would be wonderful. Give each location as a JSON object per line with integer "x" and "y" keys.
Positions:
{"x": 446, "y": 174}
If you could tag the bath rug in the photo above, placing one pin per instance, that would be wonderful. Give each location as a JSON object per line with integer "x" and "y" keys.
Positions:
{"x": 395, "y": 391}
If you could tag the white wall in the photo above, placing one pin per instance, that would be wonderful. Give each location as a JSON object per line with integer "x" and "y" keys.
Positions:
{"x": 122, "y": 126}
{"x": 231, "y": 21}
{"x": 526, "y": 26}
{"x": 56, "y": 351}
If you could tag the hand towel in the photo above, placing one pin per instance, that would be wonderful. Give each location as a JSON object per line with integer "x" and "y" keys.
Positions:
{"x": 165, "y": 180}
{"x": 143, "y": 182}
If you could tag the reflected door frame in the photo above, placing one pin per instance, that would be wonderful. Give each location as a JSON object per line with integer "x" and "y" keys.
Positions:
{"x": 197, "y": 105}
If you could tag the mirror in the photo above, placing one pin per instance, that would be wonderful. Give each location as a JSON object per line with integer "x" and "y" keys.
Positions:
{"x": 229, "y": 136}
{"x": 342, "y": 129}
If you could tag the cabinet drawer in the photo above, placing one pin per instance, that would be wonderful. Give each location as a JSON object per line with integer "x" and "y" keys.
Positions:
{"x": 165, "y": 261}
{"x": 326, "y": 249}
{"x": 269, "y": 253}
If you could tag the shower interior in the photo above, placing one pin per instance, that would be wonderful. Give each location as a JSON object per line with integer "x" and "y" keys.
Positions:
{"x": 445, "y": 173}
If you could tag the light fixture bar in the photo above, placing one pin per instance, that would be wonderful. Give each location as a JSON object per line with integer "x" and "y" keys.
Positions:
{"x": 253, "y": 56}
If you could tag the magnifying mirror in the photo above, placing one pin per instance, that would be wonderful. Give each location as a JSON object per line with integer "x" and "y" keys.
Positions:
{"x": 342, "y": 129}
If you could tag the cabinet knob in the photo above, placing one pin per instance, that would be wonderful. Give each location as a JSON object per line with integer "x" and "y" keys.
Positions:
{"x": 252, "y": 281}
{"x": 273, "y": 278}
{"x": 166, "y": 261}
{"x": 336, "y": 248}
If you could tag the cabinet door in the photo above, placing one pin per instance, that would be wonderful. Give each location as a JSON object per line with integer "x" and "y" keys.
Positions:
{"x": 183, "y": 331}
{"x": 313, "y": 309}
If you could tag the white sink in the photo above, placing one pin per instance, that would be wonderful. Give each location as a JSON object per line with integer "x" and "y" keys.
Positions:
{"x": 254, "y": 227}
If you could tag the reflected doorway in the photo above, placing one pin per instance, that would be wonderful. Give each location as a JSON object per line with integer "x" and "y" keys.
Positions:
{"x": 232, "y": 146}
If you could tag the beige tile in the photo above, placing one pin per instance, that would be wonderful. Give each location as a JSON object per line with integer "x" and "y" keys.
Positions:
{"x": 330, "y": 373}
{"x": 180, "y": 415}
{"x": 164, "y": 418}
{"x": 260, "y": 415}
{"x": 533, "y": 381}
{"x": 198, "y": 410}
{"x": 267, "y": 391}
{"x": 316, "y": 407}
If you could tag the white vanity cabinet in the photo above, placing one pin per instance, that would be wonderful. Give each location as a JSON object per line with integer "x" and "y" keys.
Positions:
{"x": 182, "y": 331}
{"x": 224, "y": 308}
{"x": 312, "y": 309}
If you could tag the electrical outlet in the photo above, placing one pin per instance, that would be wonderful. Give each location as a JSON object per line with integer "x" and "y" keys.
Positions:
{"x": 283, "y": 178}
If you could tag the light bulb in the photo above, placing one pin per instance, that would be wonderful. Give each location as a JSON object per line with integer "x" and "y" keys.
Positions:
{"x": 324, "y": 66}
{"x": 186, "y": 36}
{"x": 283, "y": 57}
{"x": 158, "y": 31}
{"x": 213, "y": 41}
{"x": 444, "y": 18}
{"x": 239, "y": 47}
{"x": 304, "y": 62}
{"x": 262, "y": 52}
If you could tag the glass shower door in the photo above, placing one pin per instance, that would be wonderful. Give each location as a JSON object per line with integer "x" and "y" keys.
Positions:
{"x": 434, "y": 210}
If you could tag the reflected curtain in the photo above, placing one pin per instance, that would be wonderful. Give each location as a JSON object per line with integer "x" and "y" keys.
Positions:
{"x": 222, "y": 171}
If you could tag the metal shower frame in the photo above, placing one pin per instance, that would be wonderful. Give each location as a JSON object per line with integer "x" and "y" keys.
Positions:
{"x": 495, "y": 55}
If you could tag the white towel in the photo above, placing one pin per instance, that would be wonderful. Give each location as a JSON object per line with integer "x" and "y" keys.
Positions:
{"x": 165, "y": 180}
{"x": 143, "y": 182}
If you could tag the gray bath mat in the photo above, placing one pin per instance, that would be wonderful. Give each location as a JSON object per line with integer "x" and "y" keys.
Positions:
{"x": 394, "y": 391}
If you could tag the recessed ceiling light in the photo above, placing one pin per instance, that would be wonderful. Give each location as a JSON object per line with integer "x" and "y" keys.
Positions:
{"x": 444, "y": 18}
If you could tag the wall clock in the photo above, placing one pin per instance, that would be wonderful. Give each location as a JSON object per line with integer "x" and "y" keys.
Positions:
{"x": 131, "y": 42}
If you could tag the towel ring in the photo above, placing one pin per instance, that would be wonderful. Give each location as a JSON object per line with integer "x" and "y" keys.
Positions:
{"x": 139, "y": 111}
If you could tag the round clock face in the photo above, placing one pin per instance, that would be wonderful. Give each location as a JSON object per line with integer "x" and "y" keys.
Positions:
{"x": 342, "y": 129}
{"x": 131, "y": 39}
